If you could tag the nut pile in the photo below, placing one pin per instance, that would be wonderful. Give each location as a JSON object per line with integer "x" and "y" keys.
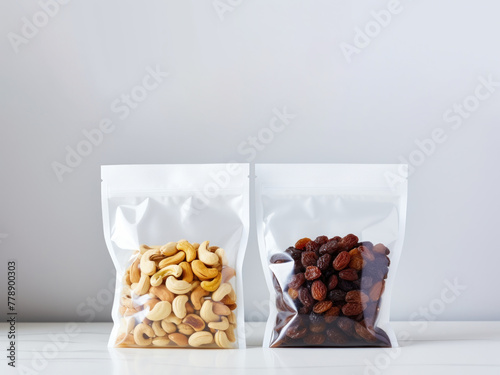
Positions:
{"x": 333, "y": 292}
{"x": 178, "y": 294}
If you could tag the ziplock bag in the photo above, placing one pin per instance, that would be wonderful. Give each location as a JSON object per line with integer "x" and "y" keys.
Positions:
{"x": 330, "y": 238}
{"x": 177, "y": 236}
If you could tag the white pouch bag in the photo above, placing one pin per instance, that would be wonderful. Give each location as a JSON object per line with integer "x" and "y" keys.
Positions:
{"x": 177, "y": 235}
{"x": 330, "y": 238}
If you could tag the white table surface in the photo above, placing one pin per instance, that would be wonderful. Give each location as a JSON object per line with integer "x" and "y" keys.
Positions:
{"x": 439, "y": 348}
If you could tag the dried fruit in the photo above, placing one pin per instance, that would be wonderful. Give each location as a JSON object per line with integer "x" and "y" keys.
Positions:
{"x": 318, "y": 290}
{"x": 332, "y": 282}
{"x": 341, "y": 260}
{"x": 352, "y": 308}
{"x": 349, "y": 274}
{"x": 348, "y": 242}
{"x": 297, "y": 281}
{"x": 312, "y": 273}
{"x": 356, "y": 262}
{"x": 309, "y": 258}
{"x": 314, "y": 339}
{"x": 293, "y": 293}
{"x": 356, "y": 296}
{"x": 294, "y": 253}
{"x": 329, "y": 248}
{"x": 376, "y": 291}
{"x": 317, "y": 327}
{"x": 280, "y": 258}
{"x": 296, "y": 331}
{"x": 305, "y": 297}
{"x": 336, "y": 295}
{"x": 336, "y": 336}
{"x": 381, "y": 249}
{"x": 311, "y": 246}
{"x": 300, "y": 244}
{"x": 322, "y": 306}
{"x": 331, "y": 314}
{"x": 324, "y": 262}
{"x": 320, "y": 240}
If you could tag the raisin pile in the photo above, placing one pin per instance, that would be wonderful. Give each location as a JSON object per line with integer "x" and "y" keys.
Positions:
{"x": 333, "y": 293}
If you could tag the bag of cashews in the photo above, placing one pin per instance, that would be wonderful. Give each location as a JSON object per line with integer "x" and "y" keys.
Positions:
{"x": 177, "y": 236}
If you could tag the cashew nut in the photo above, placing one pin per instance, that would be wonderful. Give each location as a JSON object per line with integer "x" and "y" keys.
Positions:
{"x": 144, "y": 248}
{"x": 135, "y": 272}
{"x": 190, "y": 251}
{"x": 160, "y": 311}
{"x": 222, "y": 340}
{"x": 221, "y": 309}
{"x": 200, "y": 338}
{"x": 168, "y": 327}
{"x": 222, "y": 325}
{"x": 227, "y": 274}
{"x": 206, "y": 256}
{"x": 196, "y": 297}
{"x": 177, "y": 286}
{"x": 157, "y": 328}
{"x": 169, "y": 249}
{"x": 194, "y": 321}
{"x": 179, "y": 306}
{"x": 185, "y": 329}
{"x": 125, "y": 340}
{"x": 211, "y": 286}
{"x": 202, "y": 271}
{"x": 207, "y": 313}
{"x": 172, "y": 319}
{"x": 142, "y": 286}
{"x": 222, "y": 256}
{"x": 151, "y": 303}
{"x": 174, "y": 259}
{"x": 162, "y": 293}
{"x": 221, "y": 291}
{"x": 230, "y": 333}
{"x": 179, "y": 339}
{"x": 187, "y": 272}
{"x": 161, "y": 341}
{"x": 143, "y": 334}
{"x": 232, "y": 318}
{"x": 148, "y": 266}
{"x": 171, "y": 270}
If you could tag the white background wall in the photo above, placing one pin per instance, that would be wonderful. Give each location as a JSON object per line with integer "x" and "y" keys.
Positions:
{"x": 227, "y": 75}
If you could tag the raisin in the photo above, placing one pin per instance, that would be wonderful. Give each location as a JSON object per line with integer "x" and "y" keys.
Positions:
{"x": 294, "y": 253}
{"x": 296, "y": 332}
{"x": 298, "y": 267}
{"x": 309, "y": 258}
{"x": 314, "y": 339}
{"x": 304, "y": 310}
{"x": 346, "y": 286}
{"x": 364, "y": 332}
{"x": 322, "y": 306}
{"x": 331, "y": 314}
{"x": 293, "y": 293}
{"x": 381, "y": 249}
{"x": 366, "y": 282}
{"x": 332, "y": 282}
{"x": 335, "y": 336}
{"x": 368, "y": 244}
{"x": 345, "y": 324}
{"x": 336, "y": 238}
{"x": 305, "y": 297}
{"x": 317, "y": 327}
{"x": 318, "y": 290}
{"x": 312, "y": 273}
{"x": 366, "y": 253}
{"x": 329, "y": 248}
{"x": 357, "y": 296}
{"x": 280, "y": 258}
{"x": 297, "y": 281}
{"x": 321, "y": 240}
{"x": 341, "y": 260}
{"x": 324, "y": 262}
{"x": 352, "y": 308}
{"x": 349, "y": 274}
{"x": 356, "y": 263}
{"x": 336, "y": 295}
{"x": 356, "y": 284}
{"x": 311, "y": 246}
{"x": 348, "y": 242}
{"x": 376, "y": 291}
{"x": 300, "y": 244}
{"x": 315, "y": 317}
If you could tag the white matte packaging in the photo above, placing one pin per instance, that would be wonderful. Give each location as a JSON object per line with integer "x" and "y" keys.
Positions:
{"x": 294, "y": 201}
{"x": 157, "y": 204}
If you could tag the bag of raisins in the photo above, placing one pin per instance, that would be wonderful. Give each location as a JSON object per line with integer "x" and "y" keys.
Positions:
{"x": 330, "y": 237}
{"x": 177, "y": 235}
